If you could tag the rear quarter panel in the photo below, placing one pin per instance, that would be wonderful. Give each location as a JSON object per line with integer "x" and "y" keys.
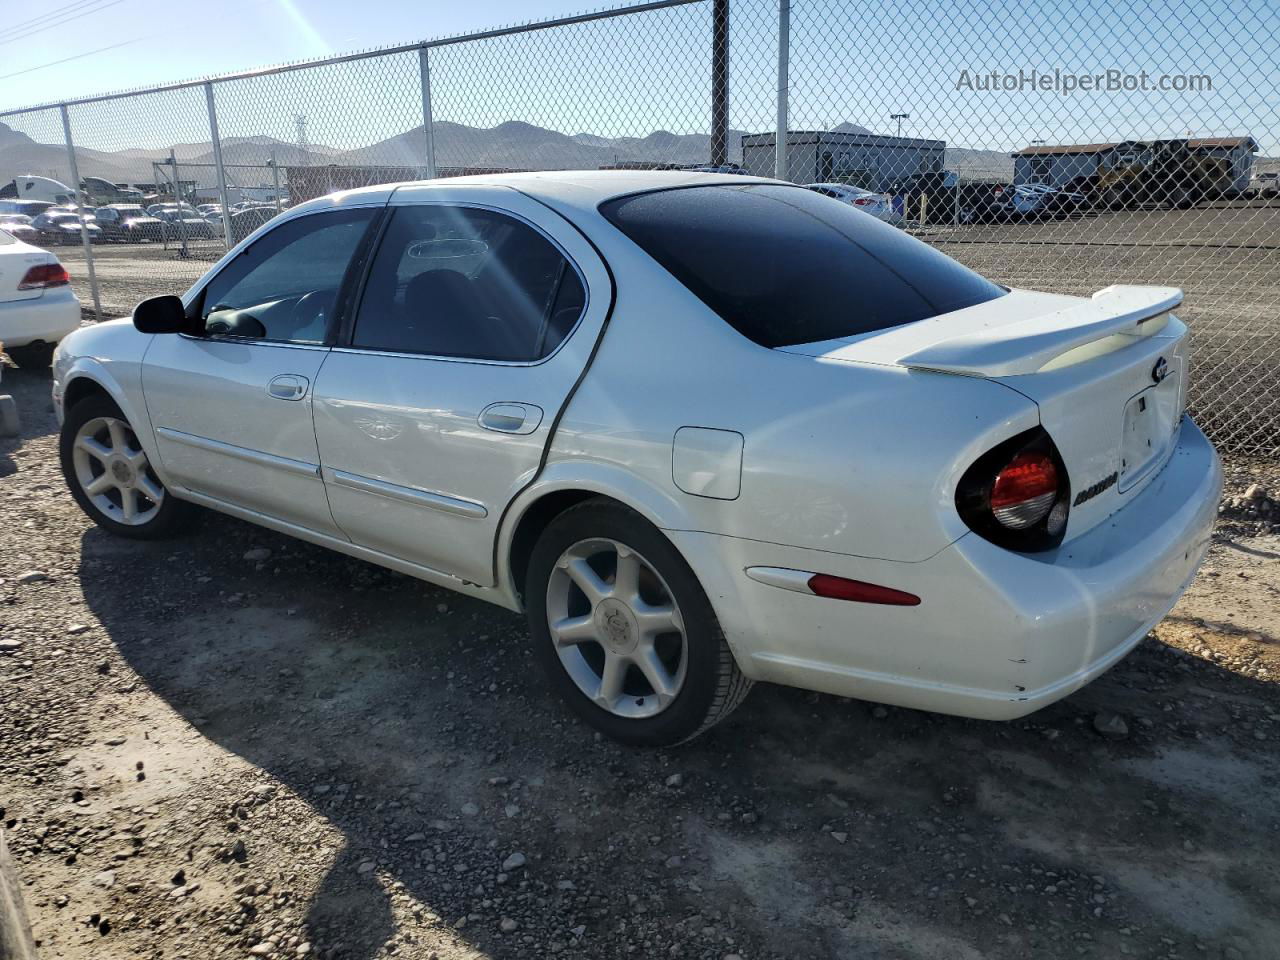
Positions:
{"x": 857, "y": 459}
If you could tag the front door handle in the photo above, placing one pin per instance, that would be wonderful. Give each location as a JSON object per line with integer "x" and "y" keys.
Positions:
{"x": 510, "y": 417}
{"x": 288, "y": 386}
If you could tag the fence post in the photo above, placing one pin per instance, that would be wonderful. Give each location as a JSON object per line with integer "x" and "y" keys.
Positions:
{"x": 719, "y": 83}
{"x": 275, "y": 179}
{"x": 217, "y": 163}
{"x": 424, "y": 72}
{"x": 177, "y": 198}
{"x": 80, "y": 202}
{"x": 780, "y": 168}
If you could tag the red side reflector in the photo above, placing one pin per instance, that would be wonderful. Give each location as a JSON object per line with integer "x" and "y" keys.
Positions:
{"x": 838, "y": 588}
{"x": 45, "y": 275}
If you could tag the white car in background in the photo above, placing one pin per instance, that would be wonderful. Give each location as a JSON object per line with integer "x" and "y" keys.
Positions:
{"x": 37, "y": 305}
{"x": 878, "y": 205}
{"x": 703, "y": 430}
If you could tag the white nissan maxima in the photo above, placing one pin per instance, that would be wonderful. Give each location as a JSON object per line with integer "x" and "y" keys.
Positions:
{"x": 704, "y": 430}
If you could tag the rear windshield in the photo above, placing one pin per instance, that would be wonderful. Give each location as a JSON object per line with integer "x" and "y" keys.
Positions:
{"x": 785, "y": 265}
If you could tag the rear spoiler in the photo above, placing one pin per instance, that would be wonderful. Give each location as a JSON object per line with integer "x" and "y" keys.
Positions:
{"x": 1026, "y": 346}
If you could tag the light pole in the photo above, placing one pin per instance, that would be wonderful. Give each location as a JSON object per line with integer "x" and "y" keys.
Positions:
{"x": 899, "y": 117}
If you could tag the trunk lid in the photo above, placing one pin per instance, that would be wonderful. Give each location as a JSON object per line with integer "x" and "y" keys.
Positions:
{"x": 1108, "y": 374}
{"x": 16, "y": 258}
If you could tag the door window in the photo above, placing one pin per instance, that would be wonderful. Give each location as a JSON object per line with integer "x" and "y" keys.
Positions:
{"x": 456, "y": 281}
{"x": 284, "y": 286}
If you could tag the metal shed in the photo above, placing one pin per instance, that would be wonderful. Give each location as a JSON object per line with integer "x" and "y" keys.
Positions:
{"x": 866, "y": 160}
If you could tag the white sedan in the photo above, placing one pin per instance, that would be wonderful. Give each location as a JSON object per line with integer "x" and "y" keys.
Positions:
{"x": 704, "y": 430}
{"x": 878, "y": 205}
{"x": 37, "y": 305}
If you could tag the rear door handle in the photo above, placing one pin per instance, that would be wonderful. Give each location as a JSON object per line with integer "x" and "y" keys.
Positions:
{"x": 288, "y": 386}
{"x": 510, "y": 417}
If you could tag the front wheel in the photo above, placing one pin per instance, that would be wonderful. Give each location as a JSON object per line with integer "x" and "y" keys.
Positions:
{"x": 110, "y": 477}
{"x": 624, "y": 631}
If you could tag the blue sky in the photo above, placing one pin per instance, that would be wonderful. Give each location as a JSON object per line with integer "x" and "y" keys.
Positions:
{"x": 853, "y": 60}
{"x": 176, "y": 39}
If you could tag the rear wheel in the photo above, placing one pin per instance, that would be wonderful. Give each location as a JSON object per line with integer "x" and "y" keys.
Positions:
{"x": 624, "y": 630}
{"x": 33, "y": 356}
{"x": 111, "y": 478}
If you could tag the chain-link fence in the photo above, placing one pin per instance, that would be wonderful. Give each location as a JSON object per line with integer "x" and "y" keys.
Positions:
{"x": 1063, "y": 147}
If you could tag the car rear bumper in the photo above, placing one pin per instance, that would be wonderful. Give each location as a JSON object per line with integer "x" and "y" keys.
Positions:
{"x": 997, "y": 634}
{"x": 48, "y": 317}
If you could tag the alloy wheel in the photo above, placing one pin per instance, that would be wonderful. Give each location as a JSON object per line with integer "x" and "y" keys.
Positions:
{"x": 617, "y": 628}
{"x": 113, "y": 471}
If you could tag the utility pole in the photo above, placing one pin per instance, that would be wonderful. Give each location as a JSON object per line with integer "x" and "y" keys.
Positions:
{"x": 719, "y": 82}
{"x": 899, "y": 117}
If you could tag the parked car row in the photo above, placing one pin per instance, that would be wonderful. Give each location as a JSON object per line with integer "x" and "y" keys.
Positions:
{"x": 935, "y": 200}
{"x": 879, "y": 205}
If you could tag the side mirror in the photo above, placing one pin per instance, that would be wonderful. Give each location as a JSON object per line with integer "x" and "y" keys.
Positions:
{"x": 160, "y": 315}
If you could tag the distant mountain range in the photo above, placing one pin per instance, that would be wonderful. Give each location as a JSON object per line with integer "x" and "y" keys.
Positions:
{"x": 511, "y": 144}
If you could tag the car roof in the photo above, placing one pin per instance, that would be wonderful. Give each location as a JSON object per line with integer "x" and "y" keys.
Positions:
{"x": 584, "y": 189}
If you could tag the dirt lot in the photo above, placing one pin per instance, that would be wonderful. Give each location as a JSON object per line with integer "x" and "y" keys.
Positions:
{"x": 238, "y": 745}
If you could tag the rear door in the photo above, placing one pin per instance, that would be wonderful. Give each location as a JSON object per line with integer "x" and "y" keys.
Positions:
{"x": 479, "y": 314}
{"x": 232, "y": 406}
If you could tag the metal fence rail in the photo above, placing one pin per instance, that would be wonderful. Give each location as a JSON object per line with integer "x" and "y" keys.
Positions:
{"x": 1043, "y": 150}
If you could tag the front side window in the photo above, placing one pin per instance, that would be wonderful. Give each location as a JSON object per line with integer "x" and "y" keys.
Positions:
{"x": 456, "y": 281}
{"x": 783, "y": 265}
{"x": 284, "y": 286}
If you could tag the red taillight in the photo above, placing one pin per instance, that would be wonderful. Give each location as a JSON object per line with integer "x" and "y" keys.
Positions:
{"x": 864, "y": 201}
{"x": 1025, "y": 490}
{"x": 838, "y": 588}
{"x": 45, "y": 275}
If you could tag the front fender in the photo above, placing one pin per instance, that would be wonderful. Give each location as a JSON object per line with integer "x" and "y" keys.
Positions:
{"x": 117, "y": 370}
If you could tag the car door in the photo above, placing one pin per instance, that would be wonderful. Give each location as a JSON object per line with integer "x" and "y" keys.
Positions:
{"x": 478, "y": 315}
{"x": 231, "y": 405}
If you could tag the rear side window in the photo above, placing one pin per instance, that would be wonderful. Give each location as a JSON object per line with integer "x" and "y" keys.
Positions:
{"x": 785, "y": 265}
{"x": 455, "y": 281}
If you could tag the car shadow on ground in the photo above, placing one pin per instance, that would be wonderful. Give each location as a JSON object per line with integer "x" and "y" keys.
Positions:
{"x": 423, "y": 750}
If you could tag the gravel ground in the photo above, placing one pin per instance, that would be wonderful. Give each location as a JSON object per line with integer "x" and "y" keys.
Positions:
{"x": 237, "y": 745}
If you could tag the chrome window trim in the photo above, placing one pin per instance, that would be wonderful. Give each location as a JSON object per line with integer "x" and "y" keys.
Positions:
{"x": 253, "y": 341}
{"x": 392, "y": 206}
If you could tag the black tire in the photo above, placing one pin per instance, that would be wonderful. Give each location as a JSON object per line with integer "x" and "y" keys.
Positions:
{"x": 173, "y": 517}
{"x": 713, "y": 685}
{"x": 34, "y": 356}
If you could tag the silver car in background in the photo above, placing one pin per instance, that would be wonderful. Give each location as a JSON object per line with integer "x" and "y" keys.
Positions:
{"x": 879, "y": 205}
